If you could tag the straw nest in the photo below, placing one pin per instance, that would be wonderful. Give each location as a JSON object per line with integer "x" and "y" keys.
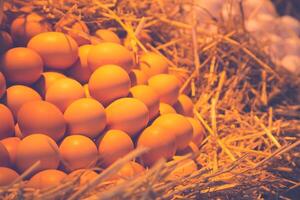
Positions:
{"x": 246, "y": 103}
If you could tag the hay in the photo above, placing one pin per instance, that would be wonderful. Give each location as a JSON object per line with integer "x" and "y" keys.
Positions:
{"x": 242, "y": 99}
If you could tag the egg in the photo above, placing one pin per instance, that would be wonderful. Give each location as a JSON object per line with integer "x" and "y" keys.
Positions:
{"x": 292, "y": 46}
{"x": 291, "y": 63}
{"x": 177, "y": 125}
{"x": 114, "y": 145}
{"x": 85, "y": 116}
{"x": 11, "y": 145}
{"x": 108, "y": 83}
{"x": 287, "y": 26}
{"x": 4, "y": 156}
{"x": 17, "y": 95}
{"x": 24, "y": 27}
{"x": 5, "y": 41}
{"x": 18, "y": 132}
{"x": 63, "y": 92}
{"x": 198, "y": 131}
{"x": 41, "y": 117}
{"x": 110, "y": 53}
{"x": 22, "y": 66}
{"x": 7, "y": 176}
{"x": 37, "y": 147}
{"x": 2, "y": 85}
{"x": 46, "y": 80}
{"x": 183, "y": 169}
{"x": 137, "y": 77}
{"x": 78, "y": 152}
{"x": 129, "y": 170}
{"x": 7, "y": 126}
{"x": 167, "y": 86}
{"x": 85, "y": 176}
{"x": 127, "y": 114}
{"x": 80, "y": 70}
{"x": 184, "y": 106}
{"x": 256, "y": 7}
{"x": 166, "y": 109}
{"x": 106, "y": 35}
{"x": 58, "y": 50}
{"x": 161, "y": 144}
{"x": 152, "y": 64}
{"x": 148, "y": 96}
{"x": 47, "y": 179}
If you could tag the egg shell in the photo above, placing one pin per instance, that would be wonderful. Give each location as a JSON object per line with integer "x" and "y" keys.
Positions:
{"x": 127, "y": 114}
{"x": 165, "y": 108}
{"x": 108, "y": 53}
{"x": 291, "y": 63}
{"x": 85, "y": 116}
{"x": 7, "y": 126}
{"x": 129, "y": 170}
{"x": 47, "y": 179}
{"x": 41, "y": 117}
{"x": 108, "y": 83}
{"x": 11, "y": 145}
{"x": 5, "y": 41}
{"x": 24, "y": 27}
{"x": 152, "y": 64}
{"x": 113, "y": 145}
{"x": 198, "y": 131}
{"x": 46, "y": 80}
{"x": 7, "y": 176}
{"x": 179, "y": 126}
{"x": 148, "y": 96}
{"x": 4, "y": 156}
{"x": 287, "y": 26}
{"x": 18, "y": 95}
{"x": 106, "y": 35}
{"x": 58, "y": 50}
{"x": 292, "y": 46}
{"x": 137, "y": 77}
{"x": 167, "y": 86}
{"x": 63, "y": 92}
{"x": 78, "y": 152}
{"x": 2, "y": 85}
{"x": 184, "y": 106}
{"x": 80, "y": 70}
{"x": 86, "y": 176}
{"x": 37, "y": 147}
{"x": 183, "y": 169}
{"x": 161, "y": 144}
{"x": 22, "y": 65}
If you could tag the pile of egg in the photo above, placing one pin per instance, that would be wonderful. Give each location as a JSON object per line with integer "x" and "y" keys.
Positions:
{"x": 278, "y": 34}
{"x": 73, "y": 105}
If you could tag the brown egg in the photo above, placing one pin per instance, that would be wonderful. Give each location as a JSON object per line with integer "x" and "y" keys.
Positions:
{"x": 18, "y": 132}
{"x": 184, "y": 106}
{"x": 152, "y": 64}
{"x": 7, "y": 176}
{"x": 161, "y": 144}
{"x": 86, "y": 176}
{"x": 63, "y": 92}
{"x": 80, "y": 70}
{"x": 85, "y": 116}
{"x": 17, "y": 95}
{"x": 148, "y": 96}
{"x": 7, "y": 125}
{"x": 182, "y": 169}
{"x": 46, "y": 80}
{"x": 167, "y": 87}
{"x": 108, "y": 53}
{"x": 47, "y": 179}
{"x": 22, "y": 66}
{"x": 78, "y": 152}
{"x": 37, "y": 147}
{"x": 137, "y": 77}
{"x": 130, "y": 169}
{"x": 4, "y": 156}
{"x": 5, "y": 41}
{"x": 11, "y": 145}
{"x": 127, "y": 114}
{"x": 41, "y": 117}
{"x": 25, "y": 27}
{"x": 2, "y": 85}
{"x": 58, "y": 50}
{"x": 166, "y": 109}
{"x": 108, "y": 83}
{"x": 177, "y": 125}
{"x": 114, "y": 145}
{"x": 198, "y": 131}
{"x": 86, "y": 90}
{"x": 106, "y": 35}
